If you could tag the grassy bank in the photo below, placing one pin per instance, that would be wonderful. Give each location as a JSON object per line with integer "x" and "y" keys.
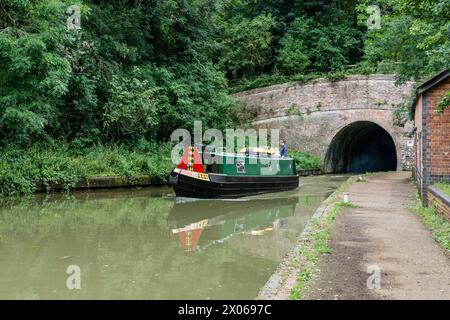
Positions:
{"x": 316, "y": 241}
{"x": 439, "y": 227}
{"x": 20, "y": 169}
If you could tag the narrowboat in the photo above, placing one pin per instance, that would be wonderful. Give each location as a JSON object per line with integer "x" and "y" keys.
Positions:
{"x": 232, "y": 175}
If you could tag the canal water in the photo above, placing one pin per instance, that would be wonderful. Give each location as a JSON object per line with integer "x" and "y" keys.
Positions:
{"x": 147, "y": 244}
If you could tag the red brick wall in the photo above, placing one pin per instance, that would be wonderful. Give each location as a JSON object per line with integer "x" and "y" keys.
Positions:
{"x": 438, "y": 126}
{"x": 433, "y": 140}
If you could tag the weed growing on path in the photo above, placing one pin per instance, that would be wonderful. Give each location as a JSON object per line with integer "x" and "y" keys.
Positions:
{"x": 361, "y": 179}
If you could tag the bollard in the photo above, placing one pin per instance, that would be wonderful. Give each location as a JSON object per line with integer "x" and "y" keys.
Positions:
{"x": 345, "y": 196}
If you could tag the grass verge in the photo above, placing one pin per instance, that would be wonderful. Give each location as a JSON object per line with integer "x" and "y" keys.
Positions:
{"x": 439, "y": 227}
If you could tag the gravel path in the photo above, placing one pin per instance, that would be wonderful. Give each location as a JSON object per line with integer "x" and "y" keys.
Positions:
{"x": 382, "y": 235}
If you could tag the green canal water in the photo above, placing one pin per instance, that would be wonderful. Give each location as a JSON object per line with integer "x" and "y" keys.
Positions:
{"x": 146, "y": 244}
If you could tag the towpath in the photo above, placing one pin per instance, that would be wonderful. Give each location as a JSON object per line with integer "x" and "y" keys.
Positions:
{"x": 382, "y": 237}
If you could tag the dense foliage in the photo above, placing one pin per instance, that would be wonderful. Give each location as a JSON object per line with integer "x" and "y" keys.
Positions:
{"x": 138, "y": 69}
{"x": 288, "y": 37}
{"x": 414, "y": 39}
{"x": 67, "y": 164}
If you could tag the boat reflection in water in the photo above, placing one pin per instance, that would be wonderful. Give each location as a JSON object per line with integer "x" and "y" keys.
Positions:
{"x": 200, "y": 224}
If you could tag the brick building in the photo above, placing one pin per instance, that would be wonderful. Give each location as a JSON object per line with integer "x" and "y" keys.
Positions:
{"x": 432, "y": 136}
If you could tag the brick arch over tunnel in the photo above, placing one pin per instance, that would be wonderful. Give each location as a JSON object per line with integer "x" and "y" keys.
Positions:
{"x": 310, "y": 115}
{"x": 361, "y": 146}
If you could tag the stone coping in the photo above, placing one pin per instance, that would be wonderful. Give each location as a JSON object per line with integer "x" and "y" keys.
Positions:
{"x": 386, "y": 77}
{"x": 440, "y": 195}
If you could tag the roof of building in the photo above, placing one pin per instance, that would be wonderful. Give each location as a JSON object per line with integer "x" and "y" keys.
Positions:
{"x": 428, "y": 84}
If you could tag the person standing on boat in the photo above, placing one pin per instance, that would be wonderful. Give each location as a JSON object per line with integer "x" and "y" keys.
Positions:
{"x": 283, "y": 151}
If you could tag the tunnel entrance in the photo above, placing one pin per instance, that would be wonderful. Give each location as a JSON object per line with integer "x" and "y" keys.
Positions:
{"x": 362, "y": 146}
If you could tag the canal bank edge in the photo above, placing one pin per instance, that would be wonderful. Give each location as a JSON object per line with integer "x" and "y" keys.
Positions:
{"x": 110, "y": 182}
{"x": 101, "y": 182}
{"x": 282, "y": 282}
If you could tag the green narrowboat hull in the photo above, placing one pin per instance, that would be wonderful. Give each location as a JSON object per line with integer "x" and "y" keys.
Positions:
{"x": 212, "y": 185}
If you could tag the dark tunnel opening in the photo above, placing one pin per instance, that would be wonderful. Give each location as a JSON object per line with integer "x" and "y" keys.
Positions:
{"x": 361, "y": 147}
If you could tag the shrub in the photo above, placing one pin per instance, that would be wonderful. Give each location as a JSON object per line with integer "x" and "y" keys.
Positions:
{"x": 20, "y": 169}
{"x": 305, "y": 161}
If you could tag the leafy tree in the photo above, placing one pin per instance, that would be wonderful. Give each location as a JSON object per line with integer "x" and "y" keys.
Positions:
{"x": 35, "y": 72}
{"x": 131, "y": 110}
{"x": 136, "y": 70}
{"x": 181, "y": 31}
{"x": 188, "y": 92}
{"x": 310, "y": 35}
{"x": 247, "y": 45}
{"x": 292, "y": 56}
{"x": 307, "y": 42}
{"x": 413, "y": 40}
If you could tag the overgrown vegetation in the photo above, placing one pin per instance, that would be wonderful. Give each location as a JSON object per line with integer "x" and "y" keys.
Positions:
{"x": 361, "y": 179}
{"x": 20, "y": 169}
{"x": 440, "y": 228}
{"x": 444, "y": 103}
{"x": 403, "y": 111}
{"x": 288, "y": 38}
